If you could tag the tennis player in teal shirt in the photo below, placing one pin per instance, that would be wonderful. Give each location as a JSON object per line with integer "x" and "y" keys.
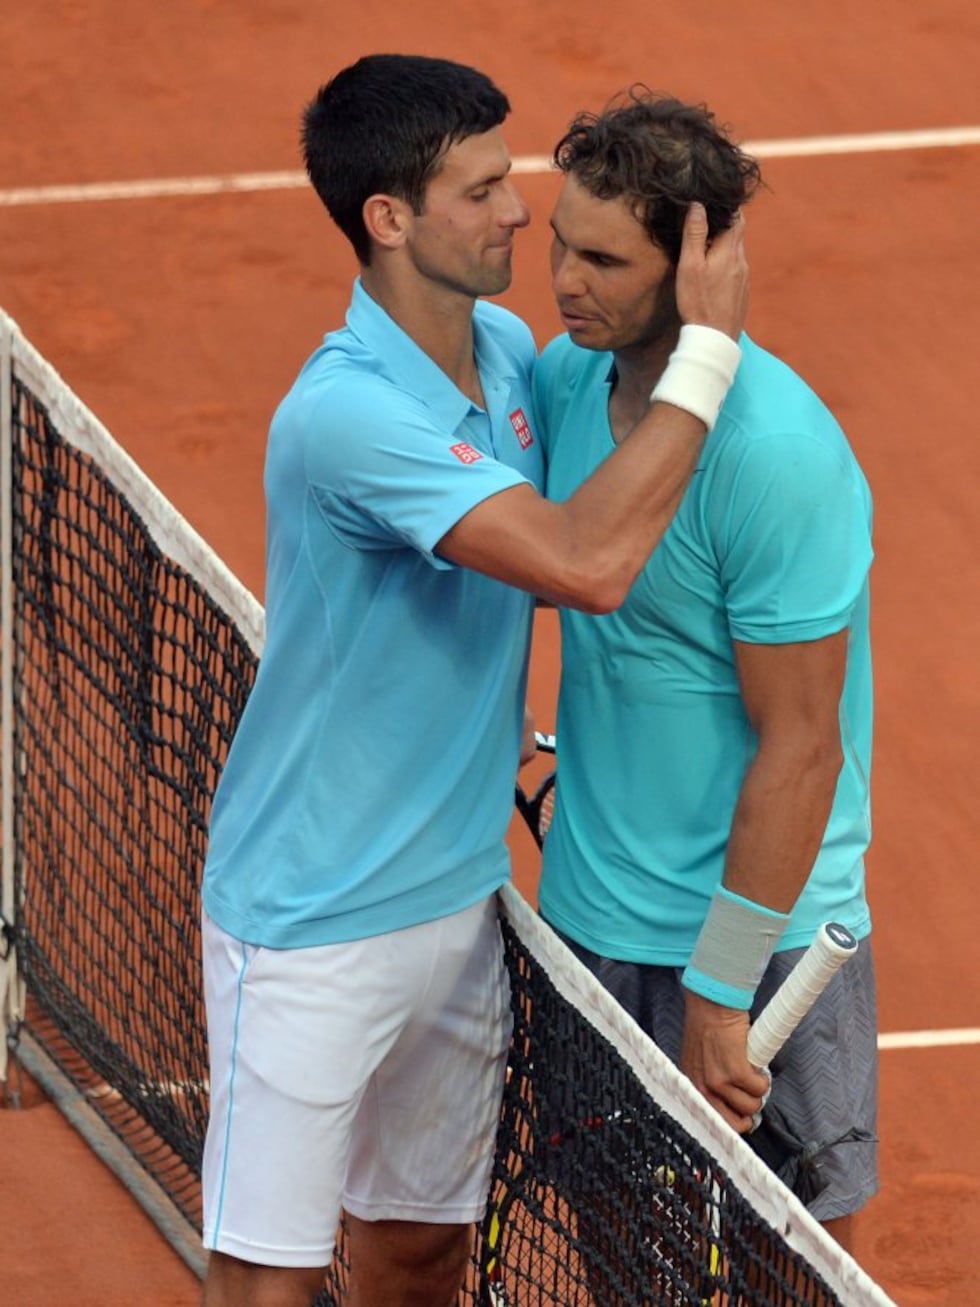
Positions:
{"x": 715, "y": 730}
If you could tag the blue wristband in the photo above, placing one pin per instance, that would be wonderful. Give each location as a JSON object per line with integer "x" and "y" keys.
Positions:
{"x": 737, "y": 939}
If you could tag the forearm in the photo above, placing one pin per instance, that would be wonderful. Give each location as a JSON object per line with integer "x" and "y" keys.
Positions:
{"x": 621, "y": 512}
{"x": 585, "y": 552}
{"x": 779, "y": 823}
{"x": 614, "y": 521}
{"x": 776, "y": 833}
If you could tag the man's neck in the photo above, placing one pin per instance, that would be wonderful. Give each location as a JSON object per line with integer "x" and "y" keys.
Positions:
{"x": 439, "y": 320}
{"x": 638, "y": 369}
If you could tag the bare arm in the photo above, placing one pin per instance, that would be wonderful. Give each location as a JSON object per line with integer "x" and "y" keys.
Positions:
{"x": 792, "y": 697}
{"x": 586, "y": 552}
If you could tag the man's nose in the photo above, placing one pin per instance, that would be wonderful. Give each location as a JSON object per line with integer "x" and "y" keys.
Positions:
{"x": 566, "y": 275}
{"x": 518, "y": 214}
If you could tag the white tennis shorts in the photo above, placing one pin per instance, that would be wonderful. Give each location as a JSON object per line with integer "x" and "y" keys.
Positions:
{"x": 366, "y": 1075}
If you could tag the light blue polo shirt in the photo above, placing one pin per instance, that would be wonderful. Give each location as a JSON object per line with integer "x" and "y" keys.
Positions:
{"x": 771, "y": 545}
{"x": 370, "y": 783}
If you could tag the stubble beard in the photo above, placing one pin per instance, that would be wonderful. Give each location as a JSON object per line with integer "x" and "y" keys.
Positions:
{"x": 664, "y": 323}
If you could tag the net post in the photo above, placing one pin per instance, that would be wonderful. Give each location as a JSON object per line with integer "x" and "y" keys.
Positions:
{"x": 11, "y": 998}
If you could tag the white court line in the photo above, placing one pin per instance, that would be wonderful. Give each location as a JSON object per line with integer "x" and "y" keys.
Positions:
{"x": 866, "y": 143}
{"x": 164, "y": 187}
{"x": 803, "y": 147}
{"x": 930, "y": 1038}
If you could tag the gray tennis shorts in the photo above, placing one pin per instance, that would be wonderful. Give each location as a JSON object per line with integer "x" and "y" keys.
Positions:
{"x": 824, "y": 1081}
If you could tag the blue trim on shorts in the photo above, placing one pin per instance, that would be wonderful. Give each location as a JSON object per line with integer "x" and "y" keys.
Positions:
{"x": 231, "y": 1099}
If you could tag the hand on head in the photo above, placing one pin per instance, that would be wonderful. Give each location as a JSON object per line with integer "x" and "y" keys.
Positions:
{"x": 713, "y": 275}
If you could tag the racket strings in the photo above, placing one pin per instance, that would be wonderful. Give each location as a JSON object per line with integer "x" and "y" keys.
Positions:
{"x": 538, "y": 808}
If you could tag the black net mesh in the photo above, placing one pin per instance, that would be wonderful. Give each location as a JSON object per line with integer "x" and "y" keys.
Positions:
{"x": 599, "y": 1196}
{"x": 128, "y": 683}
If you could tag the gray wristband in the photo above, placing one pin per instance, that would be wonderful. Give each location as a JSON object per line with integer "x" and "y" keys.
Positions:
{"x": 737, "y": 939}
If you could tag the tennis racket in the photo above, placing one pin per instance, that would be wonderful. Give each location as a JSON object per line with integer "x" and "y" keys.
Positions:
{"x": 537, "y": 808}
{"x": 831, "y": 948}
{"x": 797, "y": 1160}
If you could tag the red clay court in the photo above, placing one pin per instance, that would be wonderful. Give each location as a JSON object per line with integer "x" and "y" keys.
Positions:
{"x": 179, "y": 312}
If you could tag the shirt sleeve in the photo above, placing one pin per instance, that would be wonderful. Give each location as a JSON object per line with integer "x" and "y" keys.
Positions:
{"x": 383, "y": 473}
{"x": 795, "y": 545}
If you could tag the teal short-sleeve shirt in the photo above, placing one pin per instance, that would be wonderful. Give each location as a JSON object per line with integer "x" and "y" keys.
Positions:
{"x": 771, "y": 544}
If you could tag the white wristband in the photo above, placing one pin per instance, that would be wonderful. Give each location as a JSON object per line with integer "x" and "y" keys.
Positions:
{"x": 699, "y": 372}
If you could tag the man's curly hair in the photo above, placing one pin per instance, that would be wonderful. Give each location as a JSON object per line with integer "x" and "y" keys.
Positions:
{"x": 659, "y": 154}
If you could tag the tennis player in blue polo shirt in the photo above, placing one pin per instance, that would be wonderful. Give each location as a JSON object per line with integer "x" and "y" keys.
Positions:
{"x": 358, "y": 1015}
{"x": 373, "y": 456}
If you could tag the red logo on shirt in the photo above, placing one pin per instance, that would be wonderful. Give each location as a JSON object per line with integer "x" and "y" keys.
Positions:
{"x": 522, "y": 428}
{"x": 465, "y": 453}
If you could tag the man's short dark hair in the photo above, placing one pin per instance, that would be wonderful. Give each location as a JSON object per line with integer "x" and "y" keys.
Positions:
{"x": 383, "y": 126}
{"x": 659, "y": 154}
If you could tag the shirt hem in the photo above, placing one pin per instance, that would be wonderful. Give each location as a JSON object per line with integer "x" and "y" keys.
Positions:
{"x": 342, "y": 928}
{"x": 794, "y": 937}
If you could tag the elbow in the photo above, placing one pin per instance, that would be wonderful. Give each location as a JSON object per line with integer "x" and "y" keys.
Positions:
{"x": 828, "y": 754}
{"x": 593, "y": 588}
{"x": 604, "y": 599}
{"x": 825, "y": 764}
{"x": 808, "y": 762}
{"x": 584, "y": 567}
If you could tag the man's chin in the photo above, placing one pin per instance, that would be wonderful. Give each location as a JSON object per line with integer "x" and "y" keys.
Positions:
{"x": 585, "y": 336}
{"x": 495, "y": 285}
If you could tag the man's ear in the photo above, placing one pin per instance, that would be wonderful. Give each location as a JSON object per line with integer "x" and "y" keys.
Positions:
{"x": 387, "y": 220}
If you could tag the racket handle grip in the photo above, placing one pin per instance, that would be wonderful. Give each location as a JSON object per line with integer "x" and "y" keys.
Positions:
{"x": 831, "y": 948}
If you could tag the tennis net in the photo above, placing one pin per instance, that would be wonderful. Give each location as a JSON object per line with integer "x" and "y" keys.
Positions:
{"x": 128, "y": 654}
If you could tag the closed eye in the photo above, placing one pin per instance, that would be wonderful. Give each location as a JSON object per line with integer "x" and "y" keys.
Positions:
{"x": 601, "y": 260}
{"x": 596, "y": 257}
